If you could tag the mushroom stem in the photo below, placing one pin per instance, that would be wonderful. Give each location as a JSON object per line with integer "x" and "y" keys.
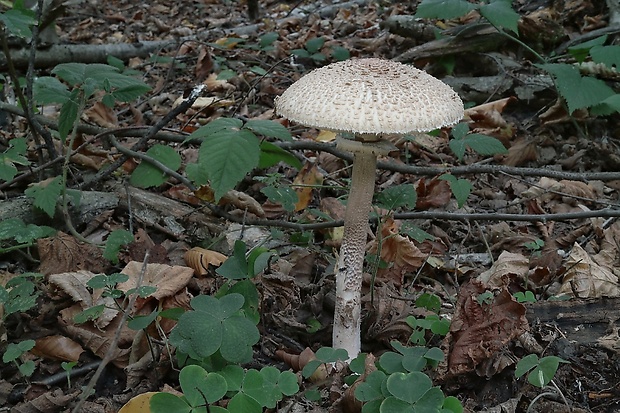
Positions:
{"x": 347, "y": 315}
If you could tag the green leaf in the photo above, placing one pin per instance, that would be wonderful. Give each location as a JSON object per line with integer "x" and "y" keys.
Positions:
{"x": 200, "y": 387}
{"x": 141, "y": 322}
{"x": 315, "y": 44}
{"x": 607, "y": 106}
{"x": 608, "y": 55}
{"x": 288, "y": 384}
{"x": 216, "y": 325}
{"x": 452, "y": 404}
{"x": 269, "y": 128}
{"x": 461, "y": 188}
{"x": 241, "y": 402}
{"x": 545, "y": 370}
{"x": 409, "y": 387}
{"x": 284, "y": 195}
{"x": 15, "y": 228}
{"x": 485, "y": 145}
{"x": 581, "y": 51}
{"x": 130, "y": 93}
{"x": 267, "y": 39}
{"x": 234, "y": 376}
{"x": 113, "y": 244}
{"x": 228, "y": 156}
{"x": 18, "y": 22}
{"x": 45, "y": 197}
{"x": 578, "y": 91}
{"x": 261, "y": 388}
{"x": 68, "y": 115}
{"x": 501, "y": 14}
{"x": 431, "y": 402}
{"x": 15, "y": 154}
{"x": 49, "y": 89}
{"x": 434, "y": 354}
{"x": 248, "y": 290}
{"x": 391, "y": 362}
{"x": 397, "y": 196}
{"x": 15, "y": 350}
{"x": 147, "y": 175}
{"x": 236, "y": 266}
{"x": 429, "y": 301}
{"x": 215, "y": 126}
{"x": 443, "y": 9}
{"x": 394, "y": 405}
{"x": 91, "y": 313}
{"x": 526, "y": 364}
{"x": 331, "y": 355}
{"x": 415, "y": 232}
{"x": 458, "y": 146}
{"x": 271, "y": 154}
{"x": 340, "y": 53}
{"x": 370, "y": 389}
{"x": 168, "y": 403}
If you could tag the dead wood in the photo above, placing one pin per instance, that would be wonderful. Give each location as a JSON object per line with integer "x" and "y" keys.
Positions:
{"x": 583, "y": 321}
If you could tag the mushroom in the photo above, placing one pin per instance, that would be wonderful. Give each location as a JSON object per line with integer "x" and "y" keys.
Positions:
{"x": 367, "y": 98}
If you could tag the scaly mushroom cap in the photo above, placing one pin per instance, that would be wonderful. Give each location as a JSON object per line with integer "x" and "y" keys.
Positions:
{"x": 370, "y": 96}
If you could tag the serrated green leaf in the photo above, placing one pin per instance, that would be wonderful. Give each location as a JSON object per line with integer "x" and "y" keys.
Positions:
{"x": 443, "y": 9}
{"x": 501, "y": 14}
{"x": 68, "y": 115}
{"x": 45, "y": 197}
{"x": 608, "y": 55}
{"x": 16, "y": 229}
{"x": 130, "y": 92}
{"x": 228, "y": 156}
{"x": 215, "y": 126}
{"x": 458, "y": 147}
{"x": 271, "y": 154}
{"x": 578, "y": 91}
{"x": 269, "y": 128}
{"x": 147, "y": 175}
{"x": 581, "y": 51}
{"x": 397, "y": 196}
{"x": 18, "y": 22}
{"x": 91, "y": 313}
{"x": 49, "y": 89}
{"x": 484, "y": 145}
{"x": 461, "y": 188}
{"x": 284, "y": 195}
{"x": 607, "y": 106}
{"x": 415, "y": 232}
{"x": 113, "y": 244}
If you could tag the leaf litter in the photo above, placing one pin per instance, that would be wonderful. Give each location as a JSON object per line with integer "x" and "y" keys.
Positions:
{"x": 577, "y": 259}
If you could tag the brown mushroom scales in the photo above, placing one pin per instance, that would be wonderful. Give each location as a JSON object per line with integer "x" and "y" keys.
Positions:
{"x": 368, "y": 98}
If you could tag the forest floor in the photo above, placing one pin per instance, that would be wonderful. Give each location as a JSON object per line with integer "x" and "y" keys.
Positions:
{"x": 485, "y": 252}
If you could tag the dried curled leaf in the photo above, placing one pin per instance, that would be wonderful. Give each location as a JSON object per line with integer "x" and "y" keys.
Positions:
{"x": 199, "y": 260}
{"x": 299, "y": 361}
{"x": 584, "y": 278}
{"x": 58, "y": 348}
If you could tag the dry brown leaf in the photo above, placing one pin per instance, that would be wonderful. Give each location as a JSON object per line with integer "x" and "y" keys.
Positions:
{"x": 204, "y": 64}
{"x": 481, "y": 329}
{"x": 63, "y": 253}
{"x": 303, "y": 185}
{"x": 398, "y": 251}
{"x": 584, "y": 278}
{"x": 235, "y": 198}
{"x": 199, "y": 259}
{"x": 521, "y": 152}
{"x": 507, "y": 267}
{"x": 97, "y": 340}
{"x": 435, "y": 193}
{"x": 299, "y": 361}
{"x": 167, "y": 279}
{"x": 75, "y": 285}
{"x": 102, "y": 115}
{"x": 57, "y": 348}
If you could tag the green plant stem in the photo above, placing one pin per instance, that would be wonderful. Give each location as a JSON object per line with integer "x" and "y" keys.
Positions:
{"x": 15, "y": 247}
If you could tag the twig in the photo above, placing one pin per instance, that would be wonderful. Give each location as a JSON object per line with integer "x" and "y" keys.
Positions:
{"x": 86, "y": 392}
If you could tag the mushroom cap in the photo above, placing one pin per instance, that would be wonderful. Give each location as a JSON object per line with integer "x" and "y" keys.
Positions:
{"x": 370, "y": 96}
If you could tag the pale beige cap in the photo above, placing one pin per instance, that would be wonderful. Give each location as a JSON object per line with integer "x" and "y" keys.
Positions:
{"x": 370, "y": 96}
